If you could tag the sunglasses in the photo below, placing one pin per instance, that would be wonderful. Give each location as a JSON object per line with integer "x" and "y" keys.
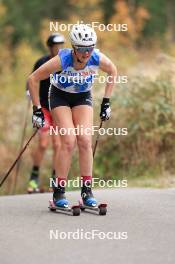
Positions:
{"x": 84, "y": 49}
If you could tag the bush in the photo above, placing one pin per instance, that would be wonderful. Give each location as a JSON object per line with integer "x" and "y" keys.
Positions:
{"x": 145, "y": 108}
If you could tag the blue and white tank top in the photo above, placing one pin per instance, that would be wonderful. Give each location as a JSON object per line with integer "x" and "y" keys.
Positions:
{"x": 76, "y": 81}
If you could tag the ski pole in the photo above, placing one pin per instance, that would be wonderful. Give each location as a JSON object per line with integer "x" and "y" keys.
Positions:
{"x": 18, "y": 157}
{"x": 21, "y": 145}
{"x": 97, "y": 139}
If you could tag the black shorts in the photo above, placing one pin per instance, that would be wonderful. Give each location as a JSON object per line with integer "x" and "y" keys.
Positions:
{"x": 61, "y": 98}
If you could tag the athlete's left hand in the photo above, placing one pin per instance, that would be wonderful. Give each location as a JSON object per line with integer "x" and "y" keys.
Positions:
{"x": 105, "y": 109}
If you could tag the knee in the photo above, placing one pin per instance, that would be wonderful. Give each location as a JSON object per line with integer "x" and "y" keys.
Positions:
{"x": 56, "y": 145}
{"x": 84, "y": 143}
{"x": 68, "y": 144}
{"x": 43, "y": 145}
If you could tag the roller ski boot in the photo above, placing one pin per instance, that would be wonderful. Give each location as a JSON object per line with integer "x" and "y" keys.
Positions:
{"x": 88, "y": 201}
{"x": 60, "y": 203}
{"x": 33, "y": 187}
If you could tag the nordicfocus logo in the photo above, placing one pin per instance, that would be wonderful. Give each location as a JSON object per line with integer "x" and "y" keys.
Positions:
{"x": 96, "y": 182}
{"x": 86, "y": 78}
{"x": 56, "y": 26}
{"x": 80, "y": 130}
{"x": 81, "y": 234}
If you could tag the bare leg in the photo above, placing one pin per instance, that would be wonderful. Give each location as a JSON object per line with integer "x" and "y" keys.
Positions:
{"x": 56, "y": 143}
{"x": 63, "y": 119}
{"x": 83, "y": 116}
{"x": 39, "y": 152}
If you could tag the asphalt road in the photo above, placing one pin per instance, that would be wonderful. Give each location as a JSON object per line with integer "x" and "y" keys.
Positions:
{"x": 142, "y": 222}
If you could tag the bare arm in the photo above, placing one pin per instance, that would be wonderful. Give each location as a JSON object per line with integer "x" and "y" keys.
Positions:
{"x": 42, "y": 73}
{"x": 107, "y": 66}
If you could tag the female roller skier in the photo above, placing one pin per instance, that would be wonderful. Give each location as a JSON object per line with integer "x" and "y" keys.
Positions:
{"x": 71, "y": 104}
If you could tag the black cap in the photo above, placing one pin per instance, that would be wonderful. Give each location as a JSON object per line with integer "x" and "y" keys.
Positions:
{"x": 55, "y": 39}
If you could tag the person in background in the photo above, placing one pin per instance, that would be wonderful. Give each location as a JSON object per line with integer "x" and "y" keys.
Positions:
{"x": 54, "y": 43}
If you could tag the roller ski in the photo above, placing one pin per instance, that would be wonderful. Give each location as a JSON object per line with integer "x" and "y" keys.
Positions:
{"x": 88, "y": 201}
{"x": 60, "y": 203}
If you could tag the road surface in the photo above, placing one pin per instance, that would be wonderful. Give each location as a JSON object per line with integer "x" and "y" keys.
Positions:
{"x": 141, "y": 223}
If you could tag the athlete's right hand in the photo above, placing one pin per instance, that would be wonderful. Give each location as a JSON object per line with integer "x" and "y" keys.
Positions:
{"x": 38, "y": 117}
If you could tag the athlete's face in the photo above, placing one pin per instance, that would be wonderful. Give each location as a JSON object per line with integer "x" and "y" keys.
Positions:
{"x": 55, "y": 48}
{"x": 83, "y": 54}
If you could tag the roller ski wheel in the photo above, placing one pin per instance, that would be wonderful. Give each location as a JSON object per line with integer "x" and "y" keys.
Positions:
{"x": 74, "y": 210}
{"x": 101, "y": 208}
{"x": 33, "y": 191}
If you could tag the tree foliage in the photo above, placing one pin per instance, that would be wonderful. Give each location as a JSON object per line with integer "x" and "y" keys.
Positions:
{"x": 23, "y": 18}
